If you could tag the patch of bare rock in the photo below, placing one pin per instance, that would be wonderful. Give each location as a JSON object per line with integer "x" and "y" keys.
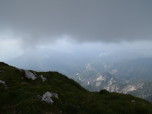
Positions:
{"x": 47, "y": 97}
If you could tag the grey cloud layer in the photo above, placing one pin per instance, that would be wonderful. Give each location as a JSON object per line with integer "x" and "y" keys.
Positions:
{"x": 82, "y": 20}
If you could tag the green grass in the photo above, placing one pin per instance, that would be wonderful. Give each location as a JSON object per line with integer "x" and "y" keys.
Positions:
{"x": 73, "y": 99}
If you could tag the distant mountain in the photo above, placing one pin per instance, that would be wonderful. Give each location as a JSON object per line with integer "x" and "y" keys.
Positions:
{"x": 109, "y": 82}
{"x": 48, "y": 60}
{"x": 102, "y": 81}
{"x": 136, "y": 69}
{"x": 117, "y": 56}
{"x": 69, "y": 64}
{"x": 128, "y": 76}
{"x": 132, "y": 70}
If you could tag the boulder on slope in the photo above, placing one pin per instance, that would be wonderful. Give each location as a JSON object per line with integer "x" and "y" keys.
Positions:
{"x": 46, "y": 97}
{"x": 29, "y": 75}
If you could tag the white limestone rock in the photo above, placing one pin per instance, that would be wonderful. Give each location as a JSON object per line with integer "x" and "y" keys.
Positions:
{"x": 133, "y": 101}
{"x": 47, "y": 95}
{"x": 43, "y": 78}
{"x": 3, "y": 82}
{"x": 29, "y": 75}
{"x": 133, "y": 87}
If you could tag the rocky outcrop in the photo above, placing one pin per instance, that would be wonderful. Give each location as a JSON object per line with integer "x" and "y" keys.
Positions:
{"x": 101, "y": 78}
{"x": 46, "y": 97}
{"x": 110, "y": 87}
{"x": 43, "y": 78}
{"x": 127, "y": 88}
{"x": 29, "y": 75}
{"x": 133, "y": 87}
{"x": 3, "y": 82}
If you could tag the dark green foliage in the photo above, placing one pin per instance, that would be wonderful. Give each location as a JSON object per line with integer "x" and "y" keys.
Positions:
{"x": 73, "y": 99}
{"x": 104, "y": 91}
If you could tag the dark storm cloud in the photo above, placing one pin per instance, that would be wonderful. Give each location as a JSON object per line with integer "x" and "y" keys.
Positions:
{"x": 82, "y": 20}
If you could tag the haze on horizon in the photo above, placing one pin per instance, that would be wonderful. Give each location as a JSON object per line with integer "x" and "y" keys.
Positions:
{"x": 75, "y": 26}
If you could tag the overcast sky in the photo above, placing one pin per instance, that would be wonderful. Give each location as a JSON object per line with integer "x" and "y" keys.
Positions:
{"x": 74, "y": 24}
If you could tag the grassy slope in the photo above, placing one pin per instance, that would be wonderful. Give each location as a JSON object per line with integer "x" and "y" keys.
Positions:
{"x": 23, "y": 98}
